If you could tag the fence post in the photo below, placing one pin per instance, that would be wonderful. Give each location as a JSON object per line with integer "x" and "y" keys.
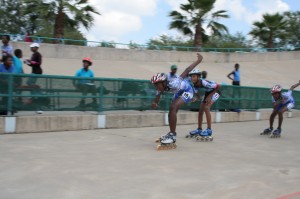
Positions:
{"x": 10, "y": 94}
{"x": 100, "y": 106}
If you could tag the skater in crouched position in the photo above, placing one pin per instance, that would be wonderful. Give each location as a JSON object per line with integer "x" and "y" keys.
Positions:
{"x": 282, "y": 102}
{"x": 183, "y": 92}
{"x": 211, "y": 95}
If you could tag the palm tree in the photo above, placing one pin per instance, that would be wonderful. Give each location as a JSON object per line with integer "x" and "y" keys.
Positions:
{"x": 72, "y": 13}
{"x": 271, "y": 27}
{"x": 193, "y": 18}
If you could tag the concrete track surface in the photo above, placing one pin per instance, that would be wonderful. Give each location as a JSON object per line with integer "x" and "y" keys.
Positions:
{"x": 124, "y": 163}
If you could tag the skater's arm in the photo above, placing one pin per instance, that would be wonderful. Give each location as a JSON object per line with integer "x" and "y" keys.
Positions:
{"x": 192, "y": 66}
{"x": 154, "y": 104}
{"x": 208, "y": 99}
{"x": 196, "y": 98}
{"x": 295, "y": 85}
{"x": 229, "y": 75}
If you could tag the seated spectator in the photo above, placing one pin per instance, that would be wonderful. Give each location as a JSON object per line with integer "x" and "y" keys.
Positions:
{"x": 6, "y": 48}
{"x": 86, "y": 85}
{"x": 6, "y": 67}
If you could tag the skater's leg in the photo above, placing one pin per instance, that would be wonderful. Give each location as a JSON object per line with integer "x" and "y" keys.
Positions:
{"x": 280, "y": 119}
{"x": 272, "y": 117}
{"x": 208, "y": 115}
{"x": 173, "y": 114}
{"x": 200, "y": 115}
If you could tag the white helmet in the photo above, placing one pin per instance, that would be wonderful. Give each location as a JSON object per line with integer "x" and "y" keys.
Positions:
{"x": 195, "y": 71}
{"x": 276, "y": 89}
{"x": 159, "y": 77}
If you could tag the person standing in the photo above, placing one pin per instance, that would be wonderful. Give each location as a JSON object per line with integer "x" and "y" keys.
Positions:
{"x": 6, "y": 48}
{"x": 86, "y": 85}
{"x": 172, "y": 73}
{"x": 35, "y": 63}
{"x": 236, "y": 80}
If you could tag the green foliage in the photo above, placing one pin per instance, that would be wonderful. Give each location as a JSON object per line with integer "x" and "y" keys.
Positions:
{"x": 110, "y": 44}
{"x": 292, "y": 28}
{"x": 169, "y": 43}
{"x": 271, "y": 27}
{"x": 195, "y": 17}
{"x": 228, "y": 41}
{"x": 11, "y": 16}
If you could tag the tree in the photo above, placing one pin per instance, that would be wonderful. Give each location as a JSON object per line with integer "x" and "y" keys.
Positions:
{"x": 228, "y": 41}
{"x": 292, "y": 27}
{"x": 271, "y": 27}
{"x": 169, "y": 43}
{"x": 62, "y": 13}
{"x": 11, "y": 20}
{"x": 195, "y": 15}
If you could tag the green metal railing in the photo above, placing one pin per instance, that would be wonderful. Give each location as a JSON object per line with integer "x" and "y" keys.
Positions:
{"x": 60, "y": 93}
{"x": 66, "y": 41}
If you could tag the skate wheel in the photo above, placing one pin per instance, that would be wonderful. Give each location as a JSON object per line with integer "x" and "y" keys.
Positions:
{"x": 187, "y": 136}
{"x": 157, "y": 140}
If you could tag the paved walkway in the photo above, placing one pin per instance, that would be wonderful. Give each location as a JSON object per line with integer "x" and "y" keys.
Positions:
{"x": 124, "y": 163}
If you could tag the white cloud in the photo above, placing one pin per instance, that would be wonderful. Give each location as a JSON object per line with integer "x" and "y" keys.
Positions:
{"x": 175, "y": 4}
{"x": 238, "y": 8}
{"x": 119, "y": 18}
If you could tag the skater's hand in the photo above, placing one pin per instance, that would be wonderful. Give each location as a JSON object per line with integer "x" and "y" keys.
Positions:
{"x": 199, "y": 56}
{"x": 194, "y": 99}
{"x": 208, "y": 101}
{"x": 154, "y": 105}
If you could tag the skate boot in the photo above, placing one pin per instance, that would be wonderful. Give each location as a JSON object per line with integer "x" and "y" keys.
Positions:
{"x": 193, "y": 133}
{"x": 167, "y": 142}
{"x": 276, "y": 133}
{"x": 205, "y": 136}
{"x": 161, "y": 137}
{"x": 267, "y": 131}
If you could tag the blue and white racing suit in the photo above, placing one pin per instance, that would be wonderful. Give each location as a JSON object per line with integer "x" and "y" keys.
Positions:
{"x": 287, "y": 101}
{"x": 209, "y": 86}
{"x": 180, "y": 88}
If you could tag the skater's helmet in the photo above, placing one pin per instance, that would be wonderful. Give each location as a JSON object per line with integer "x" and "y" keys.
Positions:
{"x": 87, "y": 59}
{"x": 276, "y": 89}
{"x": 195, "y": 72}
{"x": 159, "y": 77}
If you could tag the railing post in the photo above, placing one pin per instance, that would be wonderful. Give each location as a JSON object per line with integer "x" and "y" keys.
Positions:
{"x": 10, "y": 94}
{"x": 100, "y": 106}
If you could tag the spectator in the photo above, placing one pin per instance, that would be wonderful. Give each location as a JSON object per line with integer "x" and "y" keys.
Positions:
{"x": 27, "y": 38}
{"x": 173, "y": 74}
{"x": 35, "y": 63}
{"x": 236, "y": 75}
{"x": 86, "y": 85}
{"x": 6, "y": 48}
{"x": 236, "y": 91}
{"x": 6, "y": 67}
{"x": 18, "y": 68}
{"x": 204, "y": 75}
{"x": 17, "y": 61}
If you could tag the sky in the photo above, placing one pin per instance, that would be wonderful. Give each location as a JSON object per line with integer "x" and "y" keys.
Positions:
{"x": 138, "y": 21}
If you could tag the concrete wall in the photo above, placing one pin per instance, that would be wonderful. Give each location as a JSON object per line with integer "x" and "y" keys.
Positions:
{"x": 257, "y": 69}
{"x": 2, "y": 123}
{"x": 119, "y": 119}
{"x": 99, "y": 53}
